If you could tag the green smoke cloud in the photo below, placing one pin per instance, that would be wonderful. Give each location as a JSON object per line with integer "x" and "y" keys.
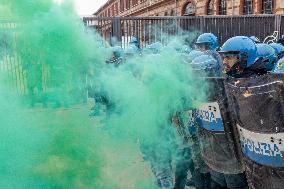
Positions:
{"x": 51, "y": 53}
{"x": 144, "y": 93}
{"x": 45, "y": 52}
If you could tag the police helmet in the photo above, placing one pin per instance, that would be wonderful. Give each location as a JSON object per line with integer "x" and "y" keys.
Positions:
{"x": 208, "y": 39}
{"x": 268, "y": 56}
{"x": 279, "y": 48}
{"x": 255, "y": 39}
{"x": 244, "y": 47}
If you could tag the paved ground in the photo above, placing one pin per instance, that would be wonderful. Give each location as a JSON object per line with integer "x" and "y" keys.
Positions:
{"x": 124, "y": 166}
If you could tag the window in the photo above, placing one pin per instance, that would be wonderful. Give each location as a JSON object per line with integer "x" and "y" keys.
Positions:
{"x": 127, "y": 4}
{"x": 172, "y": 13}
{"x": 166, "y": 13}
{"x": 267, "y": 6}
{"x": 189, "y": 9}
{"x": 121, "y": 5}
{"x": 210, "y": 7}
{"x": 116, "y": 9}
{"x": 112, "y": 10}
{"x": 222, "y": 7}
{"x": 248, "y": 7}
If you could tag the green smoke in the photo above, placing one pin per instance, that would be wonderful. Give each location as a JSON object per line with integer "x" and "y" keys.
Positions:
{"x": 44, "y": 148}
{"x": 148, "y": 89}
{"x": 144, "y": 93}
{"x": 46, "y": 57}
{"x": 19, "y": 146}
{"x": 52, "y": 55}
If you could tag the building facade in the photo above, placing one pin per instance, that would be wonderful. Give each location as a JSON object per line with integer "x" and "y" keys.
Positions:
{"x": 124, "y": 8}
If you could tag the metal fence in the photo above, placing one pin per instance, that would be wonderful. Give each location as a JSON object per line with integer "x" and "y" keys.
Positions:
{"x": 21, "y": 75}
{"x": 150, "y": 29}
{"x": 147, "y": 29}
{"x": 10, "y": 62}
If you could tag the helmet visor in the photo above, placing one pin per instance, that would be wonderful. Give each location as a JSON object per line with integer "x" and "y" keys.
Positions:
{"x": 202, "y": 46}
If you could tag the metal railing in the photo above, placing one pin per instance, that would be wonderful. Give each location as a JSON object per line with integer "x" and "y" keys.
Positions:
{"x": 10, "y": 62}
{"x": 147, "y": 29}
{"x": 150, "y": 29}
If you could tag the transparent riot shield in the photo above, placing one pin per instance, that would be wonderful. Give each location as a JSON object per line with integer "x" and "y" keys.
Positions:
{"x": 208, "y": 115}
{"x": 258, "y": 108}
{"x": 216, "y": 130}
{"x": 257, "y": 104}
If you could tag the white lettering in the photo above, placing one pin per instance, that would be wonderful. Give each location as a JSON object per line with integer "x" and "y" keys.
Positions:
{"x": 261, "y": 148}
{"x": 206, "y": 115}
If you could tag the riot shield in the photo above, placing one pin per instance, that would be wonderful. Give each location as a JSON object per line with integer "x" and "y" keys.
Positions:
{"x": 208, "y": 115}
{"x": 258, "y": 107}
{"x": 216, "y": 130}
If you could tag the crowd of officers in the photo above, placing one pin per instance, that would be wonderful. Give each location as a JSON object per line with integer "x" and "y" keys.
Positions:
{"x": 234, "y": 140}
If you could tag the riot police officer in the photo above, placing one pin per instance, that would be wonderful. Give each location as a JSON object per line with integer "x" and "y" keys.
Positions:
{"x": 208, "y": 43}
{"x": 97, "y": 92}
{"x": 188, "y": 157}
{"x": 217, "y": 148}
{"x": 215, "y": 134}
{"x": 206, "y": 66}
{"x": 253, "y": 97}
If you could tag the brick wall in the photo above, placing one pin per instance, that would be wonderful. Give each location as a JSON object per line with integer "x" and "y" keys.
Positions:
{"x": 177, "y": 7}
